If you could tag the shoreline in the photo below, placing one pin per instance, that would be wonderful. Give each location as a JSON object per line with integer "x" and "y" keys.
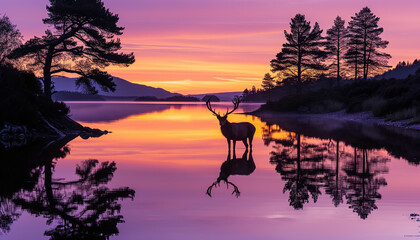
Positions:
{"x": 49, "y": 130}
{"x": 361, "y": 117}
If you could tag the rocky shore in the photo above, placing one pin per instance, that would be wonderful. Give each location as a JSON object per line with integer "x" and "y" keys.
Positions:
{"x": 12, "y": 135}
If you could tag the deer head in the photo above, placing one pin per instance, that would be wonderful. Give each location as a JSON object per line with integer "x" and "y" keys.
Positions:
{"x": 223, "y": 118}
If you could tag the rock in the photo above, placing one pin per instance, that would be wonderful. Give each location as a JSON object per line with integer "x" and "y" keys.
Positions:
{"x": 89, "y": 132}
{"x": 14, "y": 135}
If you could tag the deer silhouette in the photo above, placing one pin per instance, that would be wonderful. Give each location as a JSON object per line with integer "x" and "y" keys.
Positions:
{"x": 234, "y": 166}
{"x": 241, "y": 131}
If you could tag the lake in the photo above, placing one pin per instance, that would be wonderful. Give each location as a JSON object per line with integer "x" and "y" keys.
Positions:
{"x": 306, "y": 178}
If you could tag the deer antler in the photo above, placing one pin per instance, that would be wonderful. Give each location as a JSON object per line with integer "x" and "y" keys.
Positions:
{"x": 235, "y": 188}
{"x": 216, "y": 184}
{"x": 211, "y": 187}
{"x": 236, "y": 100}
{"x": 210, "y": 108}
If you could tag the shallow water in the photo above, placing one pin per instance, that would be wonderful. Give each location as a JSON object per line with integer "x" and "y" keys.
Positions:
{"x": 312, "y": 179}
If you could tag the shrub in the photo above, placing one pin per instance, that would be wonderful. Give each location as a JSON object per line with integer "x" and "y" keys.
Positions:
{"x": 21, "y": 101}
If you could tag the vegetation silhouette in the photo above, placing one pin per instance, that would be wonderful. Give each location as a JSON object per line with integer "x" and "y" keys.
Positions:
{"x": 267, "y": 84}
{"x": 83, "y": 43}
{"x": 399, "y": 143}
{"x": 234, "y": 166}
{"x": 362, "y": 182}
{"x": 10, "y": 38}
{"x": 336, "y": 44}
{"x": 300, "y": 165}
{"x": 84, "y": 208}
{"x": 242, "y": 131}
{"x": 303, "y": 60}
{"x": 309, "y": 166}
{"x": 364, "y": 41}
{"x": 302, "y": 56}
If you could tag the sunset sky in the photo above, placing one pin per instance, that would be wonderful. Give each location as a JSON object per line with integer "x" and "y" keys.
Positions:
{"x": 201, "y": 46}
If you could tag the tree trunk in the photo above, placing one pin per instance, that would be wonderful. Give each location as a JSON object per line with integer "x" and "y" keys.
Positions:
{"x": 365, "y": 55}
{"x": 48, "y": 184}
{"x": 298, "y": 148}
{"x": 336, "y": 166}
{"x": 355, "y": 66}
{"x": 47, "y": 73}
{"x": 338, "y": 61}
{"x": 299, "y": 70}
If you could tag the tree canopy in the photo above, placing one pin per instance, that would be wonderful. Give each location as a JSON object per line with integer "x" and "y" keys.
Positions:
{"x": 267, "y": 82}
{"x": 335, "y": 45}
{"x": 10, "y": 38}
{"x": 83, "y": 42}
{"x": 365, "y": 44}
{"x": 301, "y": 55}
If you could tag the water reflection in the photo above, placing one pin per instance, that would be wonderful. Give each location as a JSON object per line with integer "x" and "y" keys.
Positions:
{"x": 309, "y": 164}
{"x": 234, "y": 166}
{"x": 84, "y": 208}
{"x": 109, "y": 112}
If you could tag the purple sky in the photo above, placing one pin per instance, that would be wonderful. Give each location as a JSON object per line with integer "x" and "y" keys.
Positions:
{"x": 193, "y": 46}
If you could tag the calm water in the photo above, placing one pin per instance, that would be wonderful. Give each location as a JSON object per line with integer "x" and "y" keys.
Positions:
{"x": 148, "y": 179}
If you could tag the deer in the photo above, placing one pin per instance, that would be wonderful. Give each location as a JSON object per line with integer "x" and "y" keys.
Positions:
{"x": 234, "y": 166}
{"x": 241, "y": 131}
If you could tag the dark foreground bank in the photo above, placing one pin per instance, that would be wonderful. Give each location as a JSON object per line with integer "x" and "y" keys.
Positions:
{"x": 388, "y": 102}
{"x": 27, "y": 115}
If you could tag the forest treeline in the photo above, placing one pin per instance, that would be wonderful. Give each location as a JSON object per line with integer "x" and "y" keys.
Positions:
{"x": 355, "y": 51}
{"x": 339, "y": 71}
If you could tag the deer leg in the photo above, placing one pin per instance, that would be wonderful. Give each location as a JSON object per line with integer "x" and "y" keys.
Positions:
{"x": 234, "y": 147}
{"x": 228, "y": 141}
{"x": 245, "y": 143}
{"x": 250, "y": 142}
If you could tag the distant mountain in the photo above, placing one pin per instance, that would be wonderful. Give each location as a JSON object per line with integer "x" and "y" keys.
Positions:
{"x": 169, "y": 99}
{"x": 76, "y": 96}
{"x": 223, "y": 96}
{"x": 401, "y": 71}
{"x": 124, "y": 88}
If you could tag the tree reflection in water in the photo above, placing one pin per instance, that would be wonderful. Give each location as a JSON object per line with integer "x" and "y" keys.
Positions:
{"x": 308, "y": 165}
{"x": 84, "y": 208}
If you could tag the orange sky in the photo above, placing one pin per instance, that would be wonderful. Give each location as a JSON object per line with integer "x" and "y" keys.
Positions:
{"x": 191, "y": 46}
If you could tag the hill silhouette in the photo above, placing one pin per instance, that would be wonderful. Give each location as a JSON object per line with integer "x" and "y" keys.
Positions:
{"x": 401, "y": 71}
{"x": 124, "y": 88}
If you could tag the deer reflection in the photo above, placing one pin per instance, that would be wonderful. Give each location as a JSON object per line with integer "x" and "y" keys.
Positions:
{"x": 308, "y": 165}
{"x": 234, "y": 166}
{"x": 83, "y": 208}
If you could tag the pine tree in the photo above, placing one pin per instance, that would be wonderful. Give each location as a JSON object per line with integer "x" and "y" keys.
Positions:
{"x": 365, "y": 44}
{"x": 10, "y": 38}
{"x": 83, "y": 43}
{"x": 336, "y": 45}
{"x": 253, "y": 90}
{"x": 267, "y": 84}
{"x": 301, "y": 55}
{"x": 245, "y": 93}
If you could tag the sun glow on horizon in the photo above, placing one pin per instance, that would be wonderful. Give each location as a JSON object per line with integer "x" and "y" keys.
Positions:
{"x": 221, "y": 46}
